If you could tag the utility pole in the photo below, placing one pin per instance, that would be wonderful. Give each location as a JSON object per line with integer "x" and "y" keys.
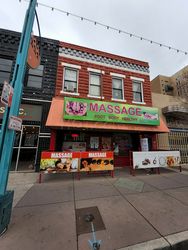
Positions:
{"x": 7, "y": 135}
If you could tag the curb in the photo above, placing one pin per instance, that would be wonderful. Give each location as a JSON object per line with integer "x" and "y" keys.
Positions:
{"x": 171, "y": 242}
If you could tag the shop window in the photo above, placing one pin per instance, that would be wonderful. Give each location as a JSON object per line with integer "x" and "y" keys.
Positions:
{"x": 30, "y": 136}
{"x": 74, "y": 142}
{"x": 5, "y": 70}
{"x": 70, "y": 80}
{"x": 34, "y": 77}
{"x": 94, "y": 84}
{"x": 117, "y": 88}
{"x": 137, "y": 91}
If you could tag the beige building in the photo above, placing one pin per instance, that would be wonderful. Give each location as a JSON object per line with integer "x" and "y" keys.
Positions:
{"x": 170, "y": 95}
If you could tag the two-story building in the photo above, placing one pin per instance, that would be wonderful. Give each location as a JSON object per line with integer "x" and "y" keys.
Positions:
{"x": 102, "y": 102}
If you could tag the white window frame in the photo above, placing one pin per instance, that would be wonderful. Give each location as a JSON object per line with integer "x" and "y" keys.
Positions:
{"x": 71, "y": 67}
{"x": 119, "y": 77}
{"x": 141, "y": 81}
{"x": 95, "y": 72}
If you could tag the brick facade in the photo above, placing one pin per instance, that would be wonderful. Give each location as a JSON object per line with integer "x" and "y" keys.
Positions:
{"x": 109, "y": 63}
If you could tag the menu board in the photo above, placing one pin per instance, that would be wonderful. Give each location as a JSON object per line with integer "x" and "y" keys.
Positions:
{"x": 155, "y": 159}
{"x": 59, "y": 162}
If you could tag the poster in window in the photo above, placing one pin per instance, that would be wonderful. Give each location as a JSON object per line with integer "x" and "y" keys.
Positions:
{"x": 94, "y": 142}
{"x": 106, "y": 143}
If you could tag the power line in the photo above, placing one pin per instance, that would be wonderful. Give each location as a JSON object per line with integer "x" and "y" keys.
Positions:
{"x": 120, "y": 31}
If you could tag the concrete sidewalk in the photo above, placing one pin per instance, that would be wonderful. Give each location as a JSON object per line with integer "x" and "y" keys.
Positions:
{"x": 141, "y": 212}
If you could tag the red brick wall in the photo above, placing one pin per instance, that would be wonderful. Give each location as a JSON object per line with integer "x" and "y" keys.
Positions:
{"x": 83, "y": 82}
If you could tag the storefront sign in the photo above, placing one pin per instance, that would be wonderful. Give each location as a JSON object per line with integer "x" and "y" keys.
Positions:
{"x": 91, "y": 110}
{"x": 27, "y": 112}
{"x": 155, "y": 159}
{"x": 56, "y": 162}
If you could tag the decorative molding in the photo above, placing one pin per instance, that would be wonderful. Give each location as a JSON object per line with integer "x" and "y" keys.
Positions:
{"x": 118, "y": 100}
{"x": 102, "y": 60}
{"x": 71, "y": 65}
{"x": 117, "y": 75}
{"x": 96, "y": 71}
{"x": 137, "y": 78}
{"x": 69, "y": 93}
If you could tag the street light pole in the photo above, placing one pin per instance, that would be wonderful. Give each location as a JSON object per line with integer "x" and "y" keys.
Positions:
{"x": 7, "y": 135}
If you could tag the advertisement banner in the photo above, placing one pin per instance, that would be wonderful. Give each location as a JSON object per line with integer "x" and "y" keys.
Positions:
{"x": 156, "y": 159}
{"x": 91, "y": 110}
{"x": 96, "y": 161}
{"x": 59, "y": 162}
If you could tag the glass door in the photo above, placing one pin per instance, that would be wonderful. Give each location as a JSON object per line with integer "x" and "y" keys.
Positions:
{"x": 28, "y": 148}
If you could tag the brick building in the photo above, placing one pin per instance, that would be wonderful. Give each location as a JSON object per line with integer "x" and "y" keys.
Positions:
{"x": 102, "y": 102}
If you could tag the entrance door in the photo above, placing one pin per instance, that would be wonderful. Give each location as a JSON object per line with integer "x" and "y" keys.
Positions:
{"x": 25, "y": 148}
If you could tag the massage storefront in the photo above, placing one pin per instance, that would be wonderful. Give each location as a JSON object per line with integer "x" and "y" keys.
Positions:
{"x": 107, "y": 130}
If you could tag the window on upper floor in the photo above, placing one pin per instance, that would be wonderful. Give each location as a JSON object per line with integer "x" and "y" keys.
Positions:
{"x": 117, "y": 88}
{"x": 5, "y": 70}
{"x": 137, "y": 91}
{"x": 34, "y": 77}
{"x": 94, "y": 84}
{"x": 70, "y": 81}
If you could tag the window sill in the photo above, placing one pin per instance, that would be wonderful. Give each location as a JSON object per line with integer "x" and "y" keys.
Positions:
{"x": 69, "y": 93}
{"x": 118, "y": 100}
{"x": 138, "y": 102}
{"x": 93, "y": 96}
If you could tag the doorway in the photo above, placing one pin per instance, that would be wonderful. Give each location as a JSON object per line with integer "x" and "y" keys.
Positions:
{"x": 25, "y": 148}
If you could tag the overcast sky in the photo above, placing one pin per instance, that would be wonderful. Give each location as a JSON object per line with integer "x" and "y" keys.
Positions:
{"x": 163, "y": 21}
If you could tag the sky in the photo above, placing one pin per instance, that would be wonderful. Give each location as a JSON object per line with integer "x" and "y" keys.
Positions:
{"x": 163, "y": 21}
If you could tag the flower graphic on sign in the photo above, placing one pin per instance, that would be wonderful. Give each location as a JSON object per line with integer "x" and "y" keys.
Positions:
{"x": 149, "y": 116}
{"x": 76, "y": 108}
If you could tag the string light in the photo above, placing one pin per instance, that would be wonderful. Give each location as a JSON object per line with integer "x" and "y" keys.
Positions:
{"x": 110, "y": 27}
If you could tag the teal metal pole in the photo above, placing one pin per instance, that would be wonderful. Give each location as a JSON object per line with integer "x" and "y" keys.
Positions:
{"x": 7, "y": 135}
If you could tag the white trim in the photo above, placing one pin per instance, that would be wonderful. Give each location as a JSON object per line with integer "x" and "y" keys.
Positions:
{"x": 122, "y": 86}
{"x": 103, "y": 64}
{"x": 90, "y": 95}
{"x": 96, "y": 70}
{"x": 35, "y": 100}
{"x": 71, "y": 65}
{"x": 138, "y": 102}
{"x": 69, "y": 93}
{"x": 137, "y": 79}
{"x": 93, "y": 96}
{"x": 44, "y": 136}
{"x": 117, "y": 75}
{"x": 118, "y": 100}
{"x": 63, "y": 91}
{"x": 142, "y": 92}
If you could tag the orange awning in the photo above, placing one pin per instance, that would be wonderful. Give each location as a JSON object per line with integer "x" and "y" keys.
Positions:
{"x": 55, "y": 119}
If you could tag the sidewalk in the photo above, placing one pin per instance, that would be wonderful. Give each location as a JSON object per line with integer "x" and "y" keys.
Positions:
{"x": 142, "y": 212}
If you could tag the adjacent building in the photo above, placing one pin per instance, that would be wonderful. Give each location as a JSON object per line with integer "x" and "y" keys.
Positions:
{"x": 39, "y": 88}
{"x": 170, "y": 94}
